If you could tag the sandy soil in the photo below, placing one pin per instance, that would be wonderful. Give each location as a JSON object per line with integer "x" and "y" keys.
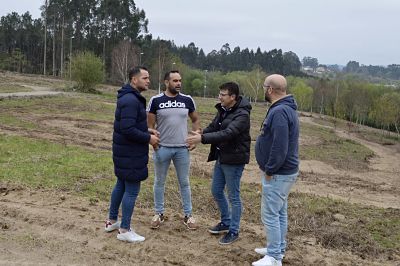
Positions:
{"x": 44, "y": 227}
{"x": 379, "y": 186}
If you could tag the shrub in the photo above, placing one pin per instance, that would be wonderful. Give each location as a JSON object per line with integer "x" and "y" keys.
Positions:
{"x": 87, "y": 71}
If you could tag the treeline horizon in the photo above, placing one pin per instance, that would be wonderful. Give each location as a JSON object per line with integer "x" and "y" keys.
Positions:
{"x": 100, "y": 26}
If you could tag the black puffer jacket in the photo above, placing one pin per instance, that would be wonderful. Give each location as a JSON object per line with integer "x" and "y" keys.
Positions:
{"x": 130, "y": 138}
{"x": 230, "y": 132}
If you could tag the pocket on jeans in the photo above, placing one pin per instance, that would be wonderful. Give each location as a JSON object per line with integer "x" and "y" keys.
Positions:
{"x": 285, "y": 178}
{"x": 156, "y": 154}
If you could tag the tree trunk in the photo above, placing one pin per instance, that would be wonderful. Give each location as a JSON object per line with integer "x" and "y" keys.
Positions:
{"x": 54, "y": 47}
{"x": 322, "y": 105}
{"x": 45, "y": 39}
{"x": 336, "y": 101}
{"x": 62, "y": 48}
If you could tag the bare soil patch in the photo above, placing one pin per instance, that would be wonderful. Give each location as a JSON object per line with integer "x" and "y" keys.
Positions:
{"x": 47, "y": 227}
{"x": 378, "y": 186}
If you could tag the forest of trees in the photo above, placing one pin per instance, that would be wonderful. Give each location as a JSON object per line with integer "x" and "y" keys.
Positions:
{"x": 390, "y": 72}
{"x": 116, "y": 32}
{"x": 352, "y": 99}
{"x": 110, "y": 29}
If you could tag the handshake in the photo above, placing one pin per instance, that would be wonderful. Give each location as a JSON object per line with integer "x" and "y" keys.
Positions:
{"x": 191, "y": 141}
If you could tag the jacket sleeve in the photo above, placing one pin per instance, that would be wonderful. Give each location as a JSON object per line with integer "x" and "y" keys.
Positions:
{"x": 212, "y": 126}
{"x": 235, "y": 127}
{"x": 280, "y": 143}
{"x": 128, "y": 124}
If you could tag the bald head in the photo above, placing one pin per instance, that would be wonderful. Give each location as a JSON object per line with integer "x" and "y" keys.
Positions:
{"x": 276, "y": 82}
{"x": 274, "y": 87}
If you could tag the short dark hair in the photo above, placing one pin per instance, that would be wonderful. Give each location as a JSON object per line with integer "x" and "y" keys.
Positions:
{"x": 168, "y": 74}
{"x": 135, "y": 70}
{"x": 231, "y": 87}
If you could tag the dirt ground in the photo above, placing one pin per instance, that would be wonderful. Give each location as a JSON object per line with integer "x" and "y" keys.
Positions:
{"x": 379, "y": 186}
{"x": 44, "y": 227}
{"x": 47, "y": 227}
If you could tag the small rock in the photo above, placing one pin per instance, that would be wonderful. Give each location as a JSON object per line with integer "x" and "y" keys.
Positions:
{"x": 339, "y": 217}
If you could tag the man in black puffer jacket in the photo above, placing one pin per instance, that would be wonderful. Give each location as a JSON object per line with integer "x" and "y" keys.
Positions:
{"x": 229, "y": 136}
{"x": 130, "y": 148}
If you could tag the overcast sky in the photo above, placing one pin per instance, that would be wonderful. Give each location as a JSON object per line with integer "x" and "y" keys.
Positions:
{"x": 334, "y": 31}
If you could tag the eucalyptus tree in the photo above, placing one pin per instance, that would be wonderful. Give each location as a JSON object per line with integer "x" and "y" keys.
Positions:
{"x": 291, "y": 64}
{"x": 119, "y": 20}
{"x": 309, "y": 61}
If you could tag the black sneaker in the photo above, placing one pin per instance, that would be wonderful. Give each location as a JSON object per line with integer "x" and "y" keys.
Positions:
{"x": 229, "y": 238}
{"x": 219, "y": 229}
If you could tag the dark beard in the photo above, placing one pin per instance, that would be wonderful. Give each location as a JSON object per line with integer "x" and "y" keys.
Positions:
{"x": 267, "y": 98}
{"x": 173, "y": 91}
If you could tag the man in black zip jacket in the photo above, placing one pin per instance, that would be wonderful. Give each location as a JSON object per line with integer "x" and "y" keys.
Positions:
{"x": 229, "y": 136}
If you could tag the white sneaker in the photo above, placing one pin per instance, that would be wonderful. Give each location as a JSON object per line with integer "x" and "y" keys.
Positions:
{"x": 267, "y": 261}
{"x": 130, "y": 236}
{"x": 109, "y": 227}
{"x": 263, "y": 251}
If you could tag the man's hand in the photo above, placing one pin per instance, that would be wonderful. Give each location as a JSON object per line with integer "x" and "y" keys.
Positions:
{"x": 191, "y": 147}
{"x": 154, "y": 141}
{"x": 152, "y": 131}
{"x": 267, "y": 177}
{"x": 194, "y": 138}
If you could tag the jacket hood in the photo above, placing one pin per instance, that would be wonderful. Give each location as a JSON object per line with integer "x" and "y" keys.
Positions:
{"x": 287, "y": 100}
{"x": 127, "y": 88}
{"x": 241, "y": 103}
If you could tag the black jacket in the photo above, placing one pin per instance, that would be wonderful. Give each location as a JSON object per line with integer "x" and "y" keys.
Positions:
{"x": 130, "y": 138}
{"x": 229, "y": 134}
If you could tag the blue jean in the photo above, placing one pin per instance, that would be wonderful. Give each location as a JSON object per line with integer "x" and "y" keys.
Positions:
{"x": 274, "y": 204}
{"x": 181, "y": 159}
{"x": 124, "y": 194}
{"x": 229, "y": 175}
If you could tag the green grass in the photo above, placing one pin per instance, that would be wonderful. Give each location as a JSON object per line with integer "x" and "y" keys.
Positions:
{"x": 7, "y": 88}
{"x": 328, "y": 147}
{"x": 370, "y": 134}
{"x": 34, "y": 80}
{"x": 41, "y": 163}
{"x": 367, "y": 231}
{"x": 11, "y": 120}
{"x": 76, "y": 107}
{"x": 23, "y": 113}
